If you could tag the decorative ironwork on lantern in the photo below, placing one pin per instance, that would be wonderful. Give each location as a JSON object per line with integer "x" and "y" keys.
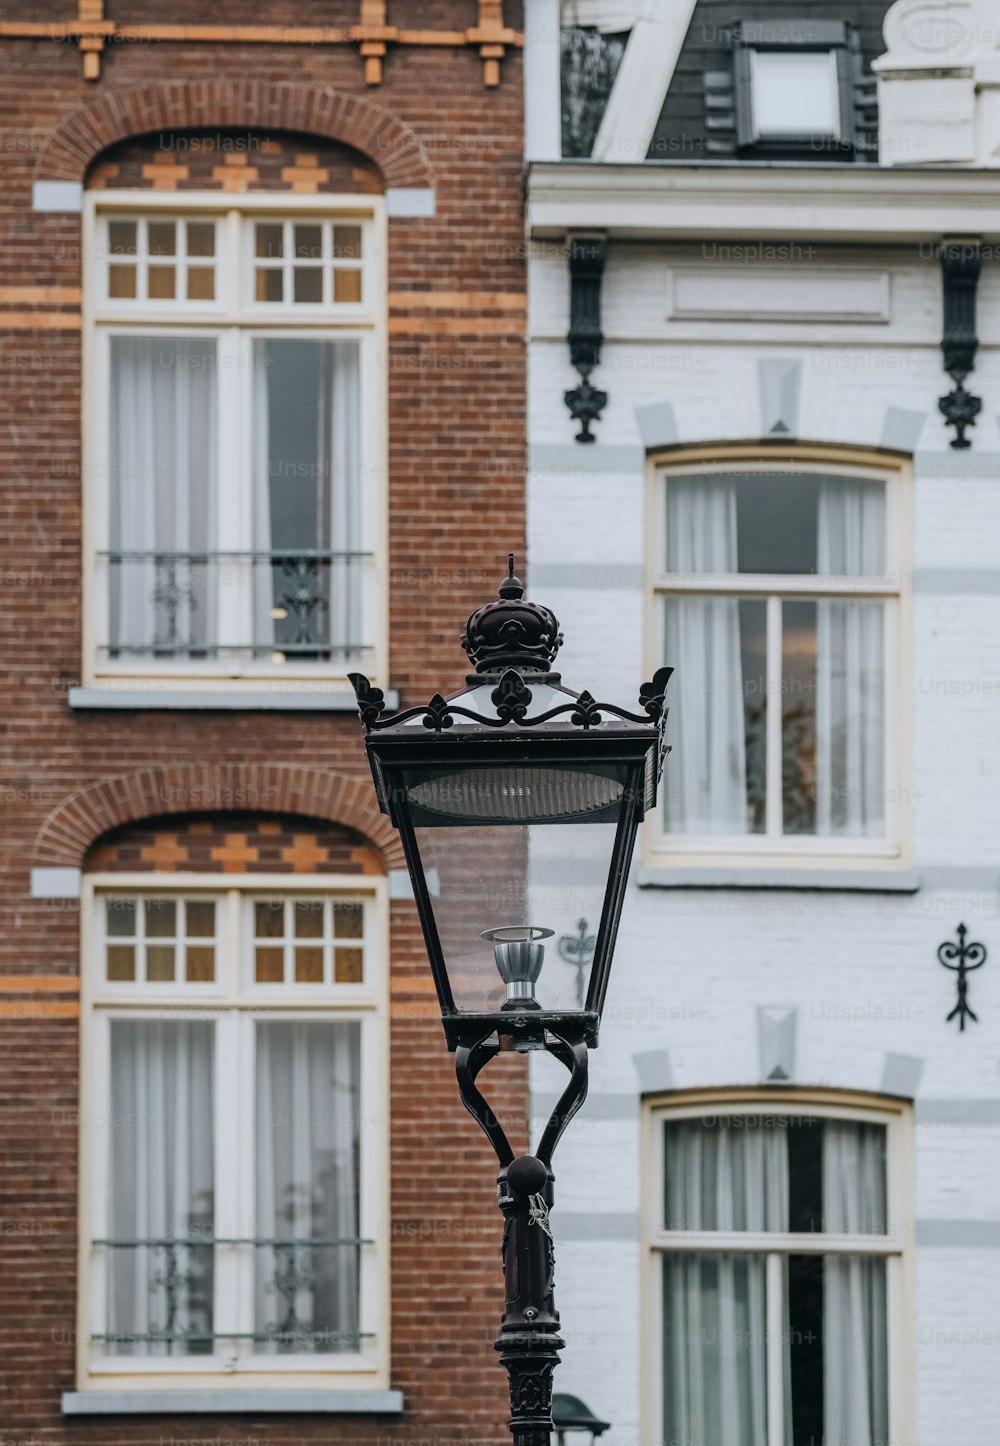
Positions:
{"x": 517, "y": 801}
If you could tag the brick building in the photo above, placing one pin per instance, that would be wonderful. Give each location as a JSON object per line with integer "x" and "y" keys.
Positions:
{"x": 262, "y": 359}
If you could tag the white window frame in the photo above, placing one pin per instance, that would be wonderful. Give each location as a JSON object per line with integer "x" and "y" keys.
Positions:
{"x": 804, "y": 851}
{"x": 235, "y": 1006}
{"x": 896, "y": 1246}
{"x": 236, "y": 321}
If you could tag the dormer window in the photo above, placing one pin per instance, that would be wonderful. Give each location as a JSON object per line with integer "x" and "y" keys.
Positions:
{"x": 794, "y": 85}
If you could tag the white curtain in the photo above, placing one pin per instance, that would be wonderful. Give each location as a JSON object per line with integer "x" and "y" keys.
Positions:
{"x": 307, "y": 1187}
{"x": 855, "y": 1365}
{"x": 261, "y": 571}
{"x": 163, "y": 493}
{"x": 325, "y": 380}
{"x": 160, "y": 1183}
{"x": 706, "y": 778}
{"x": 719, "y": 1177}
{"x": 345, "y": 496}
{"x": 850, "y": 668}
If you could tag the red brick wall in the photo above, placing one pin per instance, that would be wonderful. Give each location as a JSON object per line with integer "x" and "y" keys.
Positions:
{"x": 456, "y": 405}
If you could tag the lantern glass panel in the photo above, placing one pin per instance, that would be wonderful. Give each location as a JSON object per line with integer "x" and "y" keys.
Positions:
{"x": 525, "y": 850}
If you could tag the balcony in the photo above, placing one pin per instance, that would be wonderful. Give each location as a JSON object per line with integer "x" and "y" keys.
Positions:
{"x": 161, "y": 1295}
{"x": 215, "y": 611}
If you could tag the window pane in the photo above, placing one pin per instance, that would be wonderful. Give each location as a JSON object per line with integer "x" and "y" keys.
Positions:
{"x": 269, "y": 919}
{"x": 307, "y": 1191}
{"x": 309, "y": 242}
{"x": 269, "y": 966}
{"x": 836, "y": 1360}
{"x": 744, "y": 1172}
{"x": 122, "y": 238}
{"x": 348, "y": 967}
{"x": 120, "y": 916}
{"x": 200, "y": 918}
{"x": 161, "y": 281}
{"x": 160, "y": 1185}
{"x": 775, "y": 522}
{"x": 269, "y": 239}
{"x": 162, "y": 238}
{"x": 161, "y": 918}
{"x": 121, "y": 963}
{"x": 307, "y": 439}
{"x": 725, "y": 1172}
{"x": 346, "y": 285}
{"x": 270, "y": 286}
{"x": 715, "y": 1350}
{"x": 308, "y": 284}
{"x": 309, "y": 918}
{"x": 199, "y": 964}
{"x": 200, "y": 283}
{"x": 347, "y": 921}
{"x": 795, "y": 93}
{"x": 160, "y": 963}
{"x": 716, "y": 775}
{"x": 162, "y": 496}
{"x": 855, "y": 1348}
{"x": 121, "y": 283}
{"x": 850, "y": 718}
{"x": 347, "y": 243}
{"x": 201, "y": 238}
{"x": 798, "y": 716}
{"x": 309, "y": 965}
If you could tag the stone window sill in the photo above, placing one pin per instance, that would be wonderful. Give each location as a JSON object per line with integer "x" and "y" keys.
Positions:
{"x": 261, "y": 700}
{"x": 232, "y": 1402}
{"x": 846, "y": 880}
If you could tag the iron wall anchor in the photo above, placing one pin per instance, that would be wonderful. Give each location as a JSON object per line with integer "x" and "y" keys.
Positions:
{"x": 962, "y": 958}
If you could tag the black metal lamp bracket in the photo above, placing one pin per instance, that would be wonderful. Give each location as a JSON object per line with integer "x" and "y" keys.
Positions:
{"x": 587, "y": 257}
{"x": 961, "y": 263}
{"x": 529, "y": 1340}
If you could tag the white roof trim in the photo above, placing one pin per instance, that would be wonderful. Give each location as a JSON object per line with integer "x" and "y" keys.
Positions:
{"x": 643, "y": 79}
{"x": 607, "y": 16}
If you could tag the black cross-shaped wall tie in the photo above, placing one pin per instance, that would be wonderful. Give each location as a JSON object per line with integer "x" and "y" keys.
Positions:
{"x": 962, "y": 958}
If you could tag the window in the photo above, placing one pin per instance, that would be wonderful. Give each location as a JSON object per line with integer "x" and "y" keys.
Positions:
{"x": 777, "y": 1273}
{"x": 795, "y": 85}
{"x": 235, "y": 438}
{"x": 234, "y": 1180}
{"x": 792, "y": 92}
{"x": 776, "y": 598}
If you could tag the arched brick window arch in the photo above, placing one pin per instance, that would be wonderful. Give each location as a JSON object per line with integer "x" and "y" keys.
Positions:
{"x": 255, "y": 105}
{"x": 277, "y": 789}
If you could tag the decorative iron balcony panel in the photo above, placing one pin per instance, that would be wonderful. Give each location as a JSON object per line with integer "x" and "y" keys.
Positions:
{"x": 283, "y": 605}
{"x": 160, "y": 1295}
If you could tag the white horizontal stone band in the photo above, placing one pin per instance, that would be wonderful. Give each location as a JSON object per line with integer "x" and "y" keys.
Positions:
{"x": 231, "y": 1402}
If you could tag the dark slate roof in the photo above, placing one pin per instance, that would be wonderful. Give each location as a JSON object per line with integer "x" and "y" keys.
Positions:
{"x": 704, "y": 70}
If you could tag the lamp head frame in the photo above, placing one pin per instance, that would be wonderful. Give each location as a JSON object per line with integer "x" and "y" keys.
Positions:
{"x": 579, "y": 731}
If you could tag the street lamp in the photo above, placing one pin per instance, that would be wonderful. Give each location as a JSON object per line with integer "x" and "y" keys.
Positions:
{"x": 517, "y": 802}
{"x": 570, "y": 1414}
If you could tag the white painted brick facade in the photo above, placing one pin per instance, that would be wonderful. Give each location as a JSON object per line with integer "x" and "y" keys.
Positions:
{"x": 693, "y": 965}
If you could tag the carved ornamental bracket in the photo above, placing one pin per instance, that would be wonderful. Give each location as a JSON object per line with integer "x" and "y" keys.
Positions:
{"x": 587, "y": 257}
{"x": 371, "y": 35}
{"x": 961, "y": 263}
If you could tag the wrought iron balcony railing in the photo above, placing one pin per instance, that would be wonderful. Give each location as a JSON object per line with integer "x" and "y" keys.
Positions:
{"x": 285, "y": 604}
{"x": 174, "y": 1279}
